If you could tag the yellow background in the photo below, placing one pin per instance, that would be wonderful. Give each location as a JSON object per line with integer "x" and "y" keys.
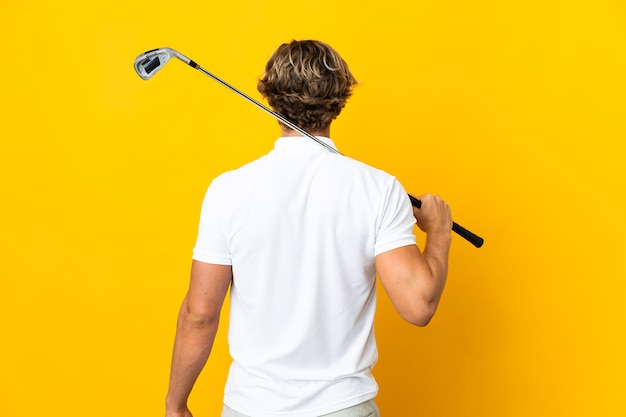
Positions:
{"x": 513, "y": 111}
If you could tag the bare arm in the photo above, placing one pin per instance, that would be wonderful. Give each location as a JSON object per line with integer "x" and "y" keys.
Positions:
{"x": 414, "y": 280}
{"x": 197, "y": 325}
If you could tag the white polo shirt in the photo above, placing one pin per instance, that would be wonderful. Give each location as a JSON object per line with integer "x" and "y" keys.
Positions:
{"x": 301, "y": 227}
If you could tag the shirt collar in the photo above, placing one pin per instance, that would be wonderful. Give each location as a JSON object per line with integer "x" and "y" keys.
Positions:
{"x": 301, "y": 144}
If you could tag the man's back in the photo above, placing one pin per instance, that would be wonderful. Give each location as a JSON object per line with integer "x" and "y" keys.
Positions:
{"x": 301, "y": 227}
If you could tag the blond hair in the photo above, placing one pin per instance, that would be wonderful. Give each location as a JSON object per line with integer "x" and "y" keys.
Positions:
{"x": 307, "y": 82}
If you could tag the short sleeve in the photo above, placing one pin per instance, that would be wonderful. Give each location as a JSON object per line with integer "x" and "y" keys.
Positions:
{"x": 212, "y": 244}
{"x": 396, "y": 222}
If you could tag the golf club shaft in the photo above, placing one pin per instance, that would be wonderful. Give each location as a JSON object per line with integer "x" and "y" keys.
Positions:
{"x": 266, "y": 109}
{"x": 474, "y": 239}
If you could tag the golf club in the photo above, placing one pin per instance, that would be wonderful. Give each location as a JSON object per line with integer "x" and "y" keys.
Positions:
{"x": 150, "y": 62}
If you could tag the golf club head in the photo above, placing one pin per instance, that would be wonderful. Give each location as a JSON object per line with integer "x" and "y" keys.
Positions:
{"x": 148, "y": 63}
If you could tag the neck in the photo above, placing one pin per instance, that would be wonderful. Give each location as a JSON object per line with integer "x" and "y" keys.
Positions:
{"x": 287, "y": 132}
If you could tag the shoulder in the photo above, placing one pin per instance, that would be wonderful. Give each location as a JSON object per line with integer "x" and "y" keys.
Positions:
{"x": 359, "y": 166}
{"x": 235, "y": 173}
{"x": 372, "y": 174}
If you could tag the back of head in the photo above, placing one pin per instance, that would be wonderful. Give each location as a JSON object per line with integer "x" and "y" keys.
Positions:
{"x": 308, "y": 83}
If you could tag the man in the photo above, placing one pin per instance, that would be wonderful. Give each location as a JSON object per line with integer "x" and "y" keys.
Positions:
{"x": 299, "y": 236}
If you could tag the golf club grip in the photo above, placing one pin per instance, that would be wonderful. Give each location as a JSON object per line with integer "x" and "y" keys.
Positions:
{"x": 458, "y": 229}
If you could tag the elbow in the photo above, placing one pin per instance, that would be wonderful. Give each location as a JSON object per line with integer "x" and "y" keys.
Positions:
{"x": 420, "y": 315}
{"x": 195, "y": 319}
{"x": 199, "y": 321}
{"x": 422, "y": 321}
{"x": 423, "y": 308}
